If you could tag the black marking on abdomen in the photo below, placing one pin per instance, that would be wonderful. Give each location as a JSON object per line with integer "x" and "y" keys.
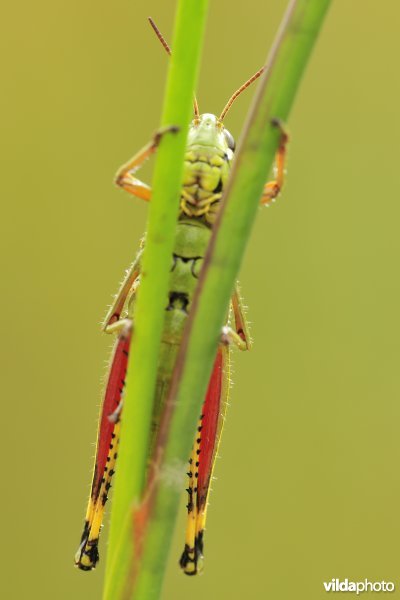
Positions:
{"x": 218, "y": 188}
{"x": 178, "y": 300}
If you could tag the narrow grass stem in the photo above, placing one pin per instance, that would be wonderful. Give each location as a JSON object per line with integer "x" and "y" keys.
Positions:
{"x": 151, "y": 301}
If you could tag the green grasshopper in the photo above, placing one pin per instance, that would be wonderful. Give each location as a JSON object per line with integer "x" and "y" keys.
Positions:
{"x": 208, "y": 160}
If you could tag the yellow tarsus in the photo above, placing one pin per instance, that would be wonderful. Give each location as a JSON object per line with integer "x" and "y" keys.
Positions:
{"x": 87, "y": 555}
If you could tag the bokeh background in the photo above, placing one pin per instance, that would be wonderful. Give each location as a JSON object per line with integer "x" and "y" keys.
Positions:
{"x": 308, "y": 484}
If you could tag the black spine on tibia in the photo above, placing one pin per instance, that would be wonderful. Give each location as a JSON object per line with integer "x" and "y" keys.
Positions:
{"x": 199, "y": 544}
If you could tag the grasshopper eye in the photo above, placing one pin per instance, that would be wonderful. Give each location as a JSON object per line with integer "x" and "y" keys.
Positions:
{"x": 229, "y": 140}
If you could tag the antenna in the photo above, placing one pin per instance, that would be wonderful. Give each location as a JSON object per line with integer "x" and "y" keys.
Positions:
{"x": 168, "y": 51}
{"x": 160, "y": 36}
{"x": 239, "y": 91}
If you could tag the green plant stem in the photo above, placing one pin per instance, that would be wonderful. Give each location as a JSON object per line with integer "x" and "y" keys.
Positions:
{"x": 274, "y": 98}
{"x": 152, "y": 299}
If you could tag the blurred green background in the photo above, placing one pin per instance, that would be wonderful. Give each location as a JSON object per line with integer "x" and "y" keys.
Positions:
{"x": 308, "y": 485}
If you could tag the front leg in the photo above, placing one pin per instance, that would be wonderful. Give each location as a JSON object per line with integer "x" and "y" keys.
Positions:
{"x": 125, "y": 175}
{"x": 273, "y": 188}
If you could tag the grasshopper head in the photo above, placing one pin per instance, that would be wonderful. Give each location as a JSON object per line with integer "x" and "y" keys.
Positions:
{"x": 208, "y": 131}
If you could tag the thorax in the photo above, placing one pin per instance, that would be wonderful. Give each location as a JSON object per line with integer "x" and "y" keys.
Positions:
{"x": 206, "y": 171}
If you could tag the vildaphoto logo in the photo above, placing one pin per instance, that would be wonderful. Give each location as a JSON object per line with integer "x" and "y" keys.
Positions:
{"x": 358, "y": 587}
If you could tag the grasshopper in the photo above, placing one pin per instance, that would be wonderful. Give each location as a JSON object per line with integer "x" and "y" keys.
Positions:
{"x": 208, "y": 160}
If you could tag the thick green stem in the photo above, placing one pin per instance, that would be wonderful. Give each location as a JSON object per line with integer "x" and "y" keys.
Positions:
{"x": 285, "y": 67}
{"x": 150, "y": 304}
